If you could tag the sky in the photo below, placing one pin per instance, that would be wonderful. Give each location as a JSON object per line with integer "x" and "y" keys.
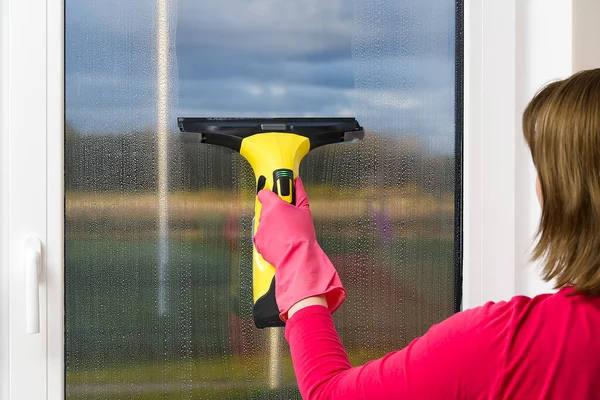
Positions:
{"x": 390, "y": 63}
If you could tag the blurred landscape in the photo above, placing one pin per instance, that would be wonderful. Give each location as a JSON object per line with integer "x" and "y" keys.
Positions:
{"x": 384, "y": 213}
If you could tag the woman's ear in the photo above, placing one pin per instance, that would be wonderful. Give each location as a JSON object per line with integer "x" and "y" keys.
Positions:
{"x": 538, "y": 191}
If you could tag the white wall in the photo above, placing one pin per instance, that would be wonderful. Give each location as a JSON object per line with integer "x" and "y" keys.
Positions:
{"x": 586, "y": 34}
{"x": 543, "y": 54}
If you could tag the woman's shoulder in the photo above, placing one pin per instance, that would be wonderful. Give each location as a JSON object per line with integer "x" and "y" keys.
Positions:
{"x": 522, "y": 311}
{"x": 566, "y": 296}
{"x": 500, "y": 313}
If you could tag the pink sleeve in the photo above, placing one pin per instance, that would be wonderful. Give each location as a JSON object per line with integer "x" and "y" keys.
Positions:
{"x": 444, "y": 363}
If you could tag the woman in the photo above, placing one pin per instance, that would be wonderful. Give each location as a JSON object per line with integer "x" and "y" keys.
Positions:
{"x": 546, "y": 347}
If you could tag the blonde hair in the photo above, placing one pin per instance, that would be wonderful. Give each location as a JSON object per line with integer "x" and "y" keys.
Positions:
{"x": 561, "y": 125}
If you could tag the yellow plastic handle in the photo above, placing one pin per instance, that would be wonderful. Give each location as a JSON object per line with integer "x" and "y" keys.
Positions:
{"x": 275, "y": 159}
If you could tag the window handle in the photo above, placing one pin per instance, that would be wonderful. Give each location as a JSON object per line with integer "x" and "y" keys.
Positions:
{"x": 32, "y": 262}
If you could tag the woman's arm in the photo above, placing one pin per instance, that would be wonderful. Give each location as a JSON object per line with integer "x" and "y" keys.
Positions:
{"x": 322, "y": 367}
{"x": 452, "y": 358}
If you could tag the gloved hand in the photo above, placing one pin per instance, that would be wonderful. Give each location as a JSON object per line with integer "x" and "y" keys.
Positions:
{"x": 286, "y": 239}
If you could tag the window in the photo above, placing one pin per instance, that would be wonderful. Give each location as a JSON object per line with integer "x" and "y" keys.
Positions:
{"x": 157, "y": 234}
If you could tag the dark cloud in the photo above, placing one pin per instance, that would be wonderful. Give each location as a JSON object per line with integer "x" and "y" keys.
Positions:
{"x": 277, "y": 29}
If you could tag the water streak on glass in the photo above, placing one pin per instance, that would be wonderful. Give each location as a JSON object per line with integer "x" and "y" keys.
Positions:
{"x": 162, "y": 89}
{"x": 158, "y": 268}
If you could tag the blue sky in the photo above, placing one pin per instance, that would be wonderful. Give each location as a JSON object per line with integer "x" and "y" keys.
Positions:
{"x": 390, "y": 63}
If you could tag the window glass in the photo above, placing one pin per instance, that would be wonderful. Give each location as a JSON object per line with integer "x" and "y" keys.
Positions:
{"x": 158, "y": 247}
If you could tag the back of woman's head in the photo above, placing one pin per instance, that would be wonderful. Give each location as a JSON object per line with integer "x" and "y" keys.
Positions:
{"x": 562, "y": 127}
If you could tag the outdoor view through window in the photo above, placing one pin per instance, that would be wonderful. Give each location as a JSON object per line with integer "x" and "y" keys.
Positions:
{"x": 158, "y": 279}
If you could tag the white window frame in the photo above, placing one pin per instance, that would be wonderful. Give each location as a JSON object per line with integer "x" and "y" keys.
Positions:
{"x": 533, "y": 41}
{"x": 31, "y": 201}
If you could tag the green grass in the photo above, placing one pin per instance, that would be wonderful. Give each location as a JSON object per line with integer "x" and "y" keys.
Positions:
{"x": 114, "y": 335}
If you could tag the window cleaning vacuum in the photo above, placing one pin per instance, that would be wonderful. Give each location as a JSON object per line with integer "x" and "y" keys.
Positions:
{"x": 274, "y": 147}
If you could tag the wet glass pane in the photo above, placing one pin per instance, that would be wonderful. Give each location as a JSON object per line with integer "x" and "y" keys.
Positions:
{"x": 158, "y": 248}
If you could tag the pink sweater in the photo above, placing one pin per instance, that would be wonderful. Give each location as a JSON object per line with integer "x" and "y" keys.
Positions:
{"x": 546, "y": 347}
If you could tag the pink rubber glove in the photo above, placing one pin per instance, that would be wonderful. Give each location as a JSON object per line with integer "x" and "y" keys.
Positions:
{"x": 286, "y": 239}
